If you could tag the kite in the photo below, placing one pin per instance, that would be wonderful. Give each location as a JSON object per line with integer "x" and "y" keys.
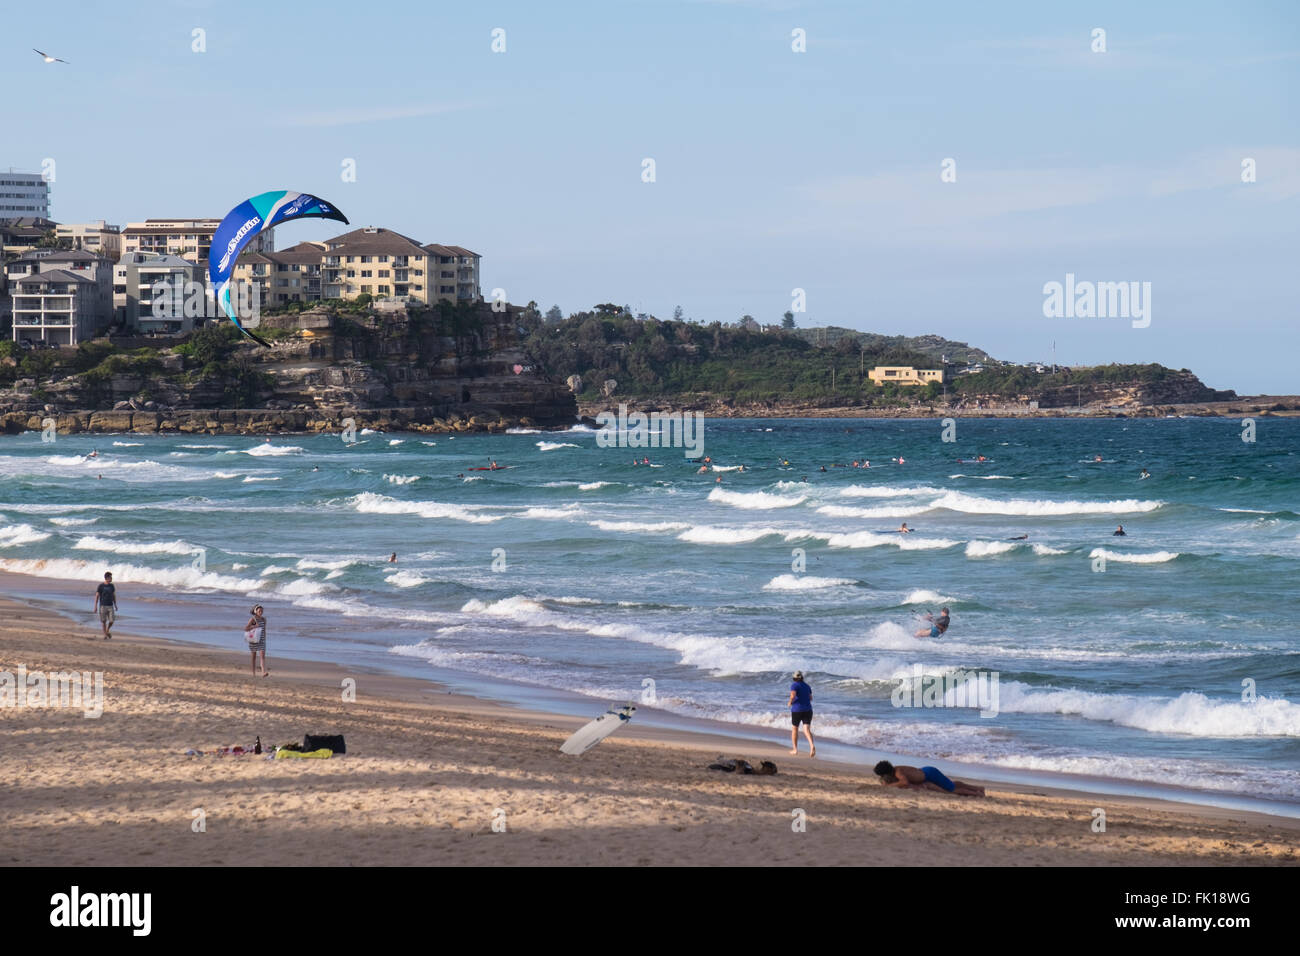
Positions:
{"x": 243, "y": 223}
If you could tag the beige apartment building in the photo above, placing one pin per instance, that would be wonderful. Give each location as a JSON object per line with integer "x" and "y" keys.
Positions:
{"x": 382, "y": 263}
{"x": 97, "y": 237}
{"x": 291, "y": 275}
{"x": 188, "y": 238}
{"x": 904, "y": 375}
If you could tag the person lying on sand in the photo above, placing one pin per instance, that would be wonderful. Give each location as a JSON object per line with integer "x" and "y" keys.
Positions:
{"x": 923, "y": 778}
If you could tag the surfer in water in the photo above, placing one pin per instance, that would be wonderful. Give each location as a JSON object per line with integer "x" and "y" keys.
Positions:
{"x": 904, "y": 529}
{"x": 1119, "y": 532}
{"x": 1096, "y": 457}
{"x": 938, "y": 625}
{"x": 1019, "y": 537}
{"x": 1145, "y": 474}
{"x": 923, "y": 778}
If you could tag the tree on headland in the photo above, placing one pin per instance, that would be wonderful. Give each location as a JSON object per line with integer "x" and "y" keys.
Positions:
{"x": 677, "y": 313}
{"x": 554, "y": 315}
{"x": 787, "y": 320}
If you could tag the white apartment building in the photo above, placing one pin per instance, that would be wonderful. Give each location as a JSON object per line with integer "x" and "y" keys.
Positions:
{"x": 23, "y": 195}
{"x": 55, "y": 307}
{"x": 96, "y": 270}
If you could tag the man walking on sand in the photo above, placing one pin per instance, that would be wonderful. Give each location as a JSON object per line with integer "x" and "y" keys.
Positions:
{"x": 801, "y": 713}
{"x": 106, "y": 604}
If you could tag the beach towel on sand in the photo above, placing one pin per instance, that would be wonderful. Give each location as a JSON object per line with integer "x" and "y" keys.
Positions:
{"x": 324, "y": 753}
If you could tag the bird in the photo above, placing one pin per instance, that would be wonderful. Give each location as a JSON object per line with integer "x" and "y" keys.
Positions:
{"x": 47, "y": 57}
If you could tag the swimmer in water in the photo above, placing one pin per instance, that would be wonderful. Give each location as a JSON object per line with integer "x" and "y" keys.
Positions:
{"x": 392, "y": 558}
{"x": 704, "y": 470}
{"x": 1119, "y": 532}
{"x": 1096, "y": 457}
{"x": 1145, "y": 474}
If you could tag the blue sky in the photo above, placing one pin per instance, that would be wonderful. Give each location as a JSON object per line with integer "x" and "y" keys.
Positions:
{"x": 775, "y": 170}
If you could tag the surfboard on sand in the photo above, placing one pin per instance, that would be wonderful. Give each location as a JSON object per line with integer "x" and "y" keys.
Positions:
{"x": 593, "y": 733}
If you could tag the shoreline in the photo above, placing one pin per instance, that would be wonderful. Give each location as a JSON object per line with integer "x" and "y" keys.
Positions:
{"x": 421, "y": 420}
{"x": 543, "y": 701}
{"x": 163, "y": 696}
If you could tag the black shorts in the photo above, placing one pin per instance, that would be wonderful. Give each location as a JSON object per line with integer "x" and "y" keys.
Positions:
{"x": 798, "y": 717}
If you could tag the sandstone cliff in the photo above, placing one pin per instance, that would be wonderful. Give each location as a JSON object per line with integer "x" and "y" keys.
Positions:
{"x": 460, "y": 369}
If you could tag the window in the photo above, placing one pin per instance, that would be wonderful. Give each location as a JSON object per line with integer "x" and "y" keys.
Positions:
{"x": 383, "y": 258}
{"x": 365, "y": 273}
{"x": 365, "y": 289}
{"x": 383, "y": 273}
{"x": 364, "y": 259}
{"x": 384, "y": 290}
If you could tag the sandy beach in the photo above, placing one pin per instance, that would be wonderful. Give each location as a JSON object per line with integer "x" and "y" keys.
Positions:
{"x": 427, "y": 772}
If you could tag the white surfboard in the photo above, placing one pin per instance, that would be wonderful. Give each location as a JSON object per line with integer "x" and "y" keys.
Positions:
{"x": 593, "y": 733}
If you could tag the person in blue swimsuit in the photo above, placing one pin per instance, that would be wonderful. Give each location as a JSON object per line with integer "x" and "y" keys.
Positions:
{"x": 923, "y": 778}
{"x": 801, "y": 712}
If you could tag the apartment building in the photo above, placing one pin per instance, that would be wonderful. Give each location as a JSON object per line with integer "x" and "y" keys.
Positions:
{"x": 187, "y": 238}
{"x": 95, "y": 268}
{"x": 291, "y": 275}
{"x": 382, "y": 263}
{"x": 24, "y": 195}
{"x": 457, "y": 273}
{"x": 18, "y": 236}
{"x": 904, "y": 375}
{"x": 134, "y": 278}
{"x": 97, "y": 237}
{"x": 55, "y": 307}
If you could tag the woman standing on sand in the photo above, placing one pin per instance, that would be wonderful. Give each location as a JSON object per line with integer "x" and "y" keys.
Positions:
{"x": 255, "y": 634}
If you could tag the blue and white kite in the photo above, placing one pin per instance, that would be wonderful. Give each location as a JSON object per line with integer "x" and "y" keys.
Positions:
{"x": 243, "y": 223}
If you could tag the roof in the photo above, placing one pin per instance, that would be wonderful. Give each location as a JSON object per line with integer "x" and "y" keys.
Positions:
{"x": 164, "y": 262}
{"x": 440, "y": 250}
{"x": 304, "y": 253}
{"x": 53, "y": 275}
{"x": 373, "y": 241}
{"x": 59, "y": 255}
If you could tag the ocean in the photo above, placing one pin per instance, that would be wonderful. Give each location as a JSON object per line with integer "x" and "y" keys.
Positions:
{"x": 1167, "y": 656}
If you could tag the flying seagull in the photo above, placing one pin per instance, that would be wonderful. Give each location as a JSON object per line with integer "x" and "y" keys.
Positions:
{"x": 48, "y": 58}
